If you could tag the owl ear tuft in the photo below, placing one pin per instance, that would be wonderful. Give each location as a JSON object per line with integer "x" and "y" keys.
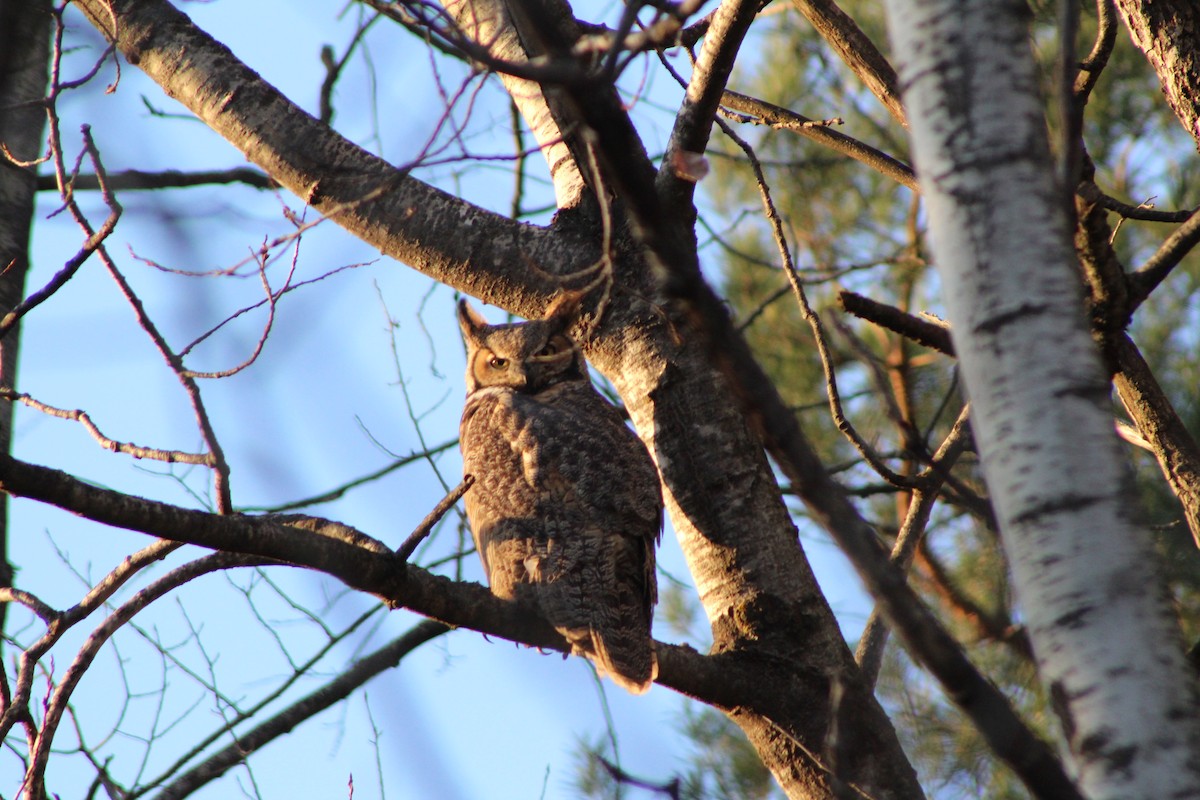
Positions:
{"x": 564, "y": 308}
{"x": 470, "y": 320}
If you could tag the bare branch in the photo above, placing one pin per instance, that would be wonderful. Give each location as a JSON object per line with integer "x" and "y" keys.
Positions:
{"x": 401, "y": 216}
{"x": 341, "y": 491}
{"x": 1091, "y": 192}
{"x": 1147, "y": 277}
{"x": 405, "y": 550}
{"x": 857, "y": 50}
{"x": 710, "y": 75}
{"x": 82, "y": 417}
{"x": 61, "y": 696}
{"x": 1159, "y": 424}
{"x": 921, "y": 331}
{"x": 783, "y": 119}
{"x": 139, "y": 180}
{"x": 336, "y": 690}
{"x": 869, "y": 653}
{"x": 95, "y": 238}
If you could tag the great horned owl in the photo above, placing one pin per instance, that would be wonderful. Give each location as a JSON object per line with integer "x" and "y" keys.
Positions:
{"x": 566, "y": 507}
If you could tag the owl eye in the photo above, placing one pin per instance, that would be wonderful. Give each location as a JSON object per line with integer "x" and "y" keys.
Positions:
{"x": 548, "y": 350}
{"x": 497, "y": 362}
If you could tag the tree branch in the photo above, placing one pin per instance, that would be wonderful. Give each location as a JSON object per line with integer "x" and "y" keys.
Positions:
{"x": 336, "y": 690}
{"x": 783, "y": 119}
{"x": 694, "y": 120}
{"x": 1157, "y": 421}
{"x": 139, "y": 180}
{"x": 856, "y": 49}
{"x": 921, "y": 331}
{"x": 385, "y": 207}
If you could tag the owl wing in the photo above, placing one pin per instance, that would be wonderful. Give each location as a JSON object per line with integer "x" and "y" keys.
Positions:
{"x": 502, "y": 506}
{"x": 602, "y": 586}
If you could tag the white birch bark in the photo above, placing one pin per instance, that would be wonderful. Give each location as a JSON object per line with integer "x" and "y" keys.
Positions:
{"x": 487, "y": 22}
{"x": 1102, "y": 631}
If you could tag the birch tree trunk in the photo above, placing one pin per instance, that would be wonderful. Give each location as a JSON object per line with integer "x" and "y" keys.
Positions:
{"x": 1105, "y": 640}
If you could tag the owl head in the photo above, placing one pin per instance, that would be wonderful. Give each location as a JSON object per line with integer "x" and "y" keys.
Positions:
{"x": 525, "y": 356}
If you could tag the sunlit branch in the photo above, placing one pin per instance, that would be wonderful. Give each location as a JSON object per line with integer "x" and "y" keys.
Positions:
{"x": 1159, "y": 423}
{"x": 922, "y": 331}
{"x": 710, "y": 75}
{"x": 405, "y": 550}
{"x": 857, "y": 50}
{"x": 783, "y": 119}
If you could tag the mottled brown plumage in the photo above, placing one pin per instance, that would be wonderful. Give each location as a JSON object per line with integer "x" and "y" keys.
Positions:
{"x": 566, "y": 507}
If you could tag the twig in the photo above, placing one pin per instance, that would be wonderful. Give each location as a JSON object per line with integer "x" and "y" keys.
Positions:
{"x": 783, "y": 119}
{"x": 271, "y": 298}
{"x": 814, "y": 321}
{"x": 415, "y": 538}
{"x": 340, "y": 491}
{"x": 921, "y": 331}
{"x": 301, "y": 670}
{"x": 61, "y": 695}
{"x": 871, "y": 645}
{"x": 16, "y": 707}
{"x": 336, "y": 690}
{"x": 1089, "y": 191}
{"x": 82, "y": 417}
{"x": 1147, "y": 277}
{"x": 139, "y": 180}
{"x": 95, "y": 238}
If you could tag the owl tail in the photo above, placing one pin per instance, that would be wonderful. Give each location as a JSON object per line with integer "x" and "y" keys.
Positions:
{"x": 626, "y": 658}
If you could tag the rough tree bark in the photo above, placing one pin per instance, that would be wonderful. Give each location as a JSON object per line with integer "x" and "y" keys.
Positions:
{"x": 769, "y": 618}
{"x": 1167, "y": 31}
{"x": 1103, "y": 633}
{"x": 24, "y": 71}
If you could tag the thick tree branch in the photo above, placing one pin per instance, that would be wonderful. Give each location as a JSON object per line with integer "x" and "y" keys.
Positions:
{"x": 728, "y": 681}
{"x": 385, "y": 207}
{"x": 1165, "y": 30}
{"x": 1157, "y": 421}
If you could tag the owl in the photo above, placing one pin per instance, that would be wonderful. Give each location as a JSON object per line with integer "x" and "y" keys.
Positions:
{"x": 566, "y": 508}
